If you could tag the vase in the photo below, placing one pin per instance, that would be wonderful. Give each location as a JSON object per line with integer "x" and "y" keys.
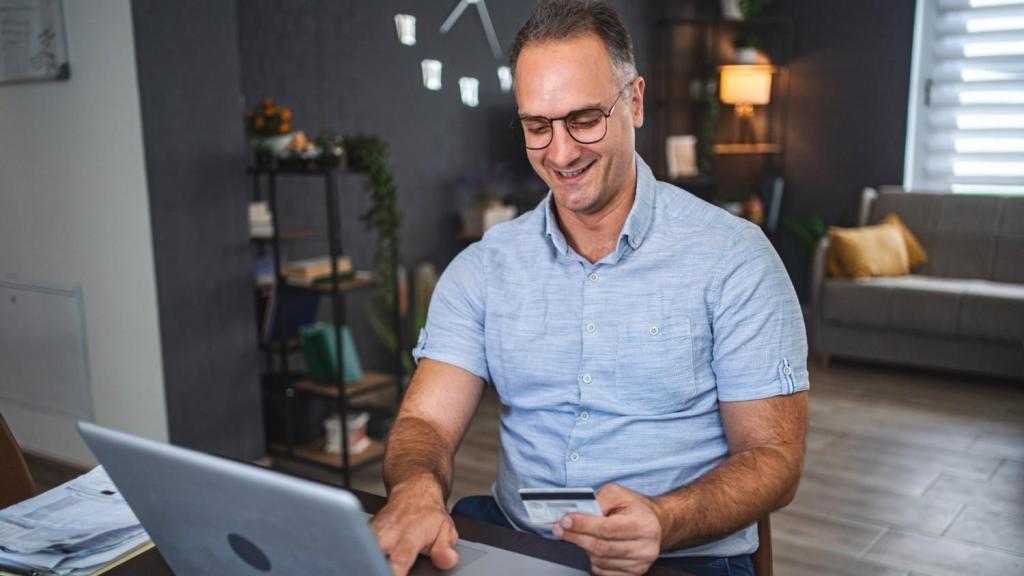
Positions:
{"x": 731, "y": 10}
{"x": 274, "y": 144}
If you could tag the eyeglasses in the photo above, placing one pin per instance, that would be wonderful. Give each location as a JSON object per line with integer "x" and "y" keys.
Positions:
{"x": 586, "y": 126}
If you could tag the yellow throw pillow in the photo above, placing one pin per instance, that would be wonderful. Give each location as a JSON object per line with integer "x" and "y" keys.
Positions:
{"x": 915, "y": 252}
{"x": 878, "y": 250}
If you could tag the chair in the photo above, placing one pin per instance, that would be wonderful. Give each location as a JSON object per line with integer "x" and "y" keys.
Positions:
{"x": 763, "y": 556}
{"x": 16, "y": 482}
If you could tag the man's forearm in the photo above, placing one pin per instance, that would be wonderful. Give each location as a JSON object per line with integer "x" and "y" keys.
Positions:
{"x": 743, "y": 489}
{"x": 417, "y": 453}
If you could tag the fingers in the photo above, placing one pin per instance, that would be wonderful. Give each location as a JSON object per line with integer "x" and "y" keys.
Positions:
{"x": 442, "y": 552}
{"x": 402, "y": 558}
{"x": 597, "y": 546}
{"x": 616, "y": 567}
{"x": 604, "y": 527}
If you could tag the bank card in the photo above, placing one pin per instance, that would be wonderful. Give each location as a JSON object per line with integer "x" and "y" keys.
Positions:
{"x": 547, "y": 505}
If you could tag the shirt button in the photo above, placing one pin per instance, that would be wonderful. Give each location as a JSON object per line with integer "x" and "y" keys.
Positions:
{"x": 593, "y": 276}
{"x": 787, "y": 370}
{"x": 591, "y": 327}
{"x": 587, "y": 378}
{"x": 634, "y": 241}
{"x": 584, "y": 416}
{"x": 655, "y": 330}
{"x": 574, "y": 457}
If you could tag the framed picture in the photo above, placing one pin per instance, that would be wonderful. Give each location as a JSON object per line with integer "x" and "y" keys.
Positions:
{"x": 33, "y": 45}
{"x": 681, "y": 153}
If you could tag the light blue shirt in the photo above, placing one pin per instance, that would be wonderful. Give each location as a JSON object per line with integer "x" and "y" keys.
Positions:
{"x": 613, "y": 372}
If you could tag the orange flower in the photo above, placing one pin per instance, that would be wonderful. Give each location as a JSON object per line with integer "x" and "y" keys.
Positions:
{"x": 286, "y": 114}
{"x": 285, "y": 127}
{"x": 259, "y": 122}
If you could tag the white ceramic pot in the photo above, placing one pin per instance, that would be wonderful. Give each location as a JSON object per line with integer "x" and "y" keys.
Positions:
{"x": 731, "y": 10}
{"x": 275, "y": 144}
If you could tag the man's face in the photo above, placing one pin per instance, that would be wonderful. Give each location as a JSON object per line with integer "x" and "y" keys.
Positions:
{"x": 558, "y": 77}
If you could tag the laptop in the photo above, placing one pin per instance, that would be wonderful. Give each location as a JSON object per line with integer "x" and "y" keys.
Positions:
{"x": 210, "y": 515}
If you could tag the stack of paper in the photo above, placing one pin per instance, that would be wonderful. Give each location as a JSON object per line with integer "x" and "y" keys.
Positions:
{"x": 72, "y": 530}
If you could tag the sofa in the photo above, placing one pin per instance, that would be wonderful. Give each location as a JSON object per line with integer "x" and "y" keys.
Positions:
{"x": 963, "y": 311}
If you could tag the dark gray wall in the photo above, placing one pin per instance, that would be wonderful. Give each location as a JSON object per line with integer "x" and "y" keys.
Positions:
{"x": 850, "y": 78}
{"x": 188, "y": 69}
{"x": 339, "y": 66}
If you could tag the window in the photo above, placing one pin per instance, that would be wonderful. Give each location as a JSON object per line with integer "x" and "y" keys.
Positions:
{"x": 965, "y": 130}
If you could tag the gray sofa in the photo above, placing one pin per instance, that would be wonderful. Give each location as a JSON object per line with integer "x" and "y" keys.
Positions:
{"x": 963, "y": 311}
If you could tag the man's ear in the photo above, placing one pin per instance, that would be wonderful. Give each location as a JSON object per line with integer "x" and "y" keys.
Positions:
{"x": 636, "y": 104}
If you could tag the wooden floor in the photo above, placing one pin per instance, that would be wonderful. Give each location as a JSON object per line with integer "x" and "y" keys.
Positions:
{"x": 907, "y": 473}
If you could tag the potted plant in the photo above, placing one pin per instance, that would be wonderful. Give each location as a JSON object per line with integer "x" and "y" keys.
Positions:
{"x": 269, "y": 126}
{"x": 747, "y": 49}
{"x": 369, "y": 157}
{"x": 742, "y": 9}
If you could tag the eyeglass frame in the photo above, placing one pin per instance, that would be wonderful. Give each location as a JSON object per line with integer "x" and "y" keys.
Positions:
{"x": 518, "y": 122}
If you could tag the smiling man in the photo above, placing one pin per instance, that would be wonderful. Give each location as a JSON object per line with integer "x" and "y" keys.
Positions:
{"x": 642, "y": 342}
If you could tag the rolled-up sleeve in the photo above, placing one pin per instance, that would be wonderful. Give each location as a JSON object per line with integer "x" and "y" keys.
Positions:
{"x": 454, "y": 332}
{"x": 760, "y": 343}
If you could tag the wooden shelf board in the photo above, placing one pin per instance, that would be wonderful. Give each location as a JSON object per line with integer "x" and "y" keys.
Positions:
{"x": 315, "y": 452}
{"x": 275, "y": 346}
{"x": 292, "y": 234}
{"x": 345, "y": 285}
{"x": 298, "y": 167}
{"x": 764, "y": 148}
{"x": 370, "y": 381}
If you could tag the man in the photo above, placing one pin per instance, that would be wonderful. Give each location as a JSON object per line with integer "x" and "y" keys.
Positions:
{"x": 641, "y": 341}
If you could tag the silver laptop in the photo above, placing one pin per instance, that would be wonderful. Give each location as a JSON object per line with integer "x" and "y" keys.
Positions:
{"x": 209, "y": 515}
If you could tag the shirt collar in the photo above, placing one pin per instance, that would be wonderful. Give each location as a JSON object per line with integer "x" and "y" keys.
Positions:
{"x": 637, "y": 223}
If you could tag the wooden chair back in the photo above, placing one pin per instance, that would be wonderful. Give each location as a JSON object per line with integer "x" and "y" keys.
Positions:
{"x": 763, "y": 557}
{"x": 15, "y": 482}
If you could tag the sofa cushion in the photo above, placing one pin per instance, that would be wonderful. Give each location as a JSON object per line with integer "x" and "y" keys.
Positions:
{"x": 868, "y": 251}
{"x": 1009, "y": 264}
{"x": 916, "y": 254}
{"x": 993, "y": 311}
{"x": 952, "y": 307}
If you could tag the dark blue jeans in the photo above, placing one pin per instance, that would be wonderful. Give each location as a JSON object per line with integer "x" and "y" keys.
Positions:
{"x": 485, "y": 509}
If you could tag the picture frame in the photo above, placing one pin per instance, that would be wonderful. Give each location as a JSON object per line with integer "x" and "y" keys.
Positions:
{"x": 33, "y": 41}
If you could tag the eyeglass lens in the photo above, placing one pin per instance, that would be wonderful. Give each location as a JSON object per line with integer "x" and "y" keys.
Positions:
{"x": 585, "y": 126}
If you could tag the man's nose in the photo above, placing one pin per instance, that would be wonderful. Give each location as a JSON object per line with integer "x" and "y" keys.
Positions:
{"x": 563, "y": 150}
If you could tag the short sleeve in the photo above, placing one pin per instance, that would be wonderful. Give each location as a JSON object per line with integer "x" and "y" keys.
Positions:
{"x": 454, "y": 332}
{"x": 760, "y": 343}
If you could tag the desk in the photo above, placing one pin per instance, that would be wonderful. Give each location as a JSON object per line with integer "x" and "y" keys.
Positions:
{"x": 150, "y": 563}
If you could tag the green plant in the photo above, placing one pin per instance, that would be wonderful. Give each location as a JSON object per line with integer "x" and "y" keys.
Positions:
{"x": 751, "y": 8}
{"x": 808, "y": 231}
{"x": 706, "y": 97}
{"x": 747, "y": 41}
{"x": 369, "y": 157}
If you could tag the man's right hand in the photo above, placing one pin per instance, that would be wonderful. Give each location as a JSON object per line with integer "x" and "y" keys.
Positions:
{"x": 415, "y": 521}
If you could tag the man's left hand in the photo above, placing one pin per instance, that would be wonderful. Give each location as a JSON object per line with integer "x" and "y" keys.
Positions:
{"x": 626, "y": 540}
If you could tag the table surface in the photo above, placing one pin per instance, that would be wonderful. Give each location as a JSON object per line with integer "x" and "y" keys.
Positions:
{"x": 151, "y": 563}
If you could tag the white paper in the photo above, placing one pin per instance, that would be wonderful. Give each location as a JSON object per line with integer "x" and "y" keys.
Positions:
{"x": 70, "y": 529}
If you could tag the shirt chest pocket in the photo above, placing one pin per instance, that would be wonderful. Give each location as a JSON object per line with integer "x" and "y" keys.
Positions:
{"x": 654, "y": 360}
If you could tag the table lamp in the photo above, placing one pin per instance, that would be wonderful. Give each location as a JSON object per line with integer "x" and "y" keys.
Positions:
{"x": 744, "y": 86}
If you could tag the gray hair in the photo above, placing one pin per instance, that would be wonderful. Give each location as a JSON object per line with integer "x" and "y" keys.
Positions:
{"x": 562, "y": 19}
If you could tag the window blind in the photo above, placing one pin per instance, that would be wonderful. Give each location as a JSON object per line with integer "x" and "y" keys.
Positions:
{"x": 973, "y": 102}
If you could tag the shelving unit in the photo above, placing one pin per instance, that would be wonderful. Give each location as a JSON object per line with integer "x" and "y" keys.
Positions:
{"x": 280, "y": 380}
{"x": 689, "y": 49}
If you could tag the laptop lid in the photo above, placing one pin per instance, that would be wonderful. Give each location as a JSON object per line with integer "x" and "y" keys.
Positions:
{"x": 209, "y": 515}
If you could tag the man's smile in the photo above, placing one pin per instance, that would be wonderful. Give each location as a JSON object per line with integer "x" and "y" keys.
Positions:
{"x": 572, "y": 176}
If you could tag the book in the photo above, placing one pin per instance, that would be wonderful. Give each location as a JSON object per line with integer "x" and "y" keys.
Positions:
{"x": 311, "y": 268}
{"x": 319, "y": 344}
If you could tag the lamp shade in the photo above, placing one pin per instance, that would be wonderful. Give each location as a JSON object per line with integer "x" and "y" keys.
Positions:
{"x": 746, "y": 84}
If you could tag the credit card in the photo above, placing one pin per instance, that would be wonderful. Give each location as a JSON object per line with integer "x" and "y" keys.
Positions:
{"x": 546, "y": 506}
